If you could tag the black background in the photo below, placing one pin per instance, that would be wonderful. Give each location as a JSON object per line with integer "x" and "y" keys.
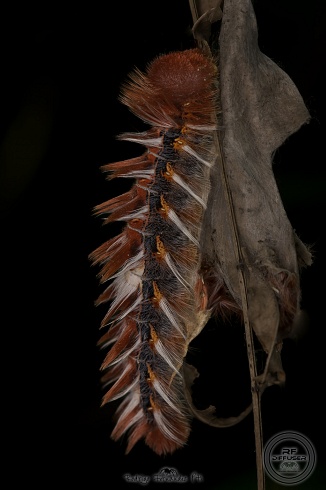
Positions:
{"x": 62, "y": 68}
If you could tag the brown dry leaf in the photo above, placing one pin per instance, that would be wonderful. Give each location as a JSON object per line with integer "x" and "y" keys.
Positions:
{"x": 246, "y": 228}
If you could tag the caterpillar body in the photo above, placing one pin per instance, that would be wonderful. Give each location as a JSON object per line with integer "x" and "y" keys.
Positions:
{"x": 159, "y": 300}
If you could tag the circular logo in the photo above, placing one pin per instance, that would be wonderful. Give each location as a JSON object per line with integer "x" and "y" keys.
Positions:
{"x": 289, "y": 458}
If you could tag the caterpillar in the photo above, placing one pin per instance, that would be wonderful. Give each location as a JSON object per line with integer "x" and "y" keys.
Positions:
{"x": 160, "y": 292}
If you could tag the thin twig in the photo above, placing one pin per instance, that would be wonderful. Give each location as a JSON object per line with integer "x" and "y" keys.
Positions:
{"x": 256, "y": 395}
{"x": 196, "y": 7}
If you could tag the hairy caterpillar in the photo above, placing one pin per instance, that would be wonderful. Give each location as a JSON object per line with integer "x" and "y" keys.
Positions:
{"x": 159, "y": 299}
{"x": 206, "y": 232}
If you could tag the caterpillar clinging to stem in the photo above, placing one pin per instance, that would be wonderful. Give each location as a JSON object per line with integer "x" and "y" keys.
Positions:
{"x": 157, "y": 291}
{"x": 205, "y": 232}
